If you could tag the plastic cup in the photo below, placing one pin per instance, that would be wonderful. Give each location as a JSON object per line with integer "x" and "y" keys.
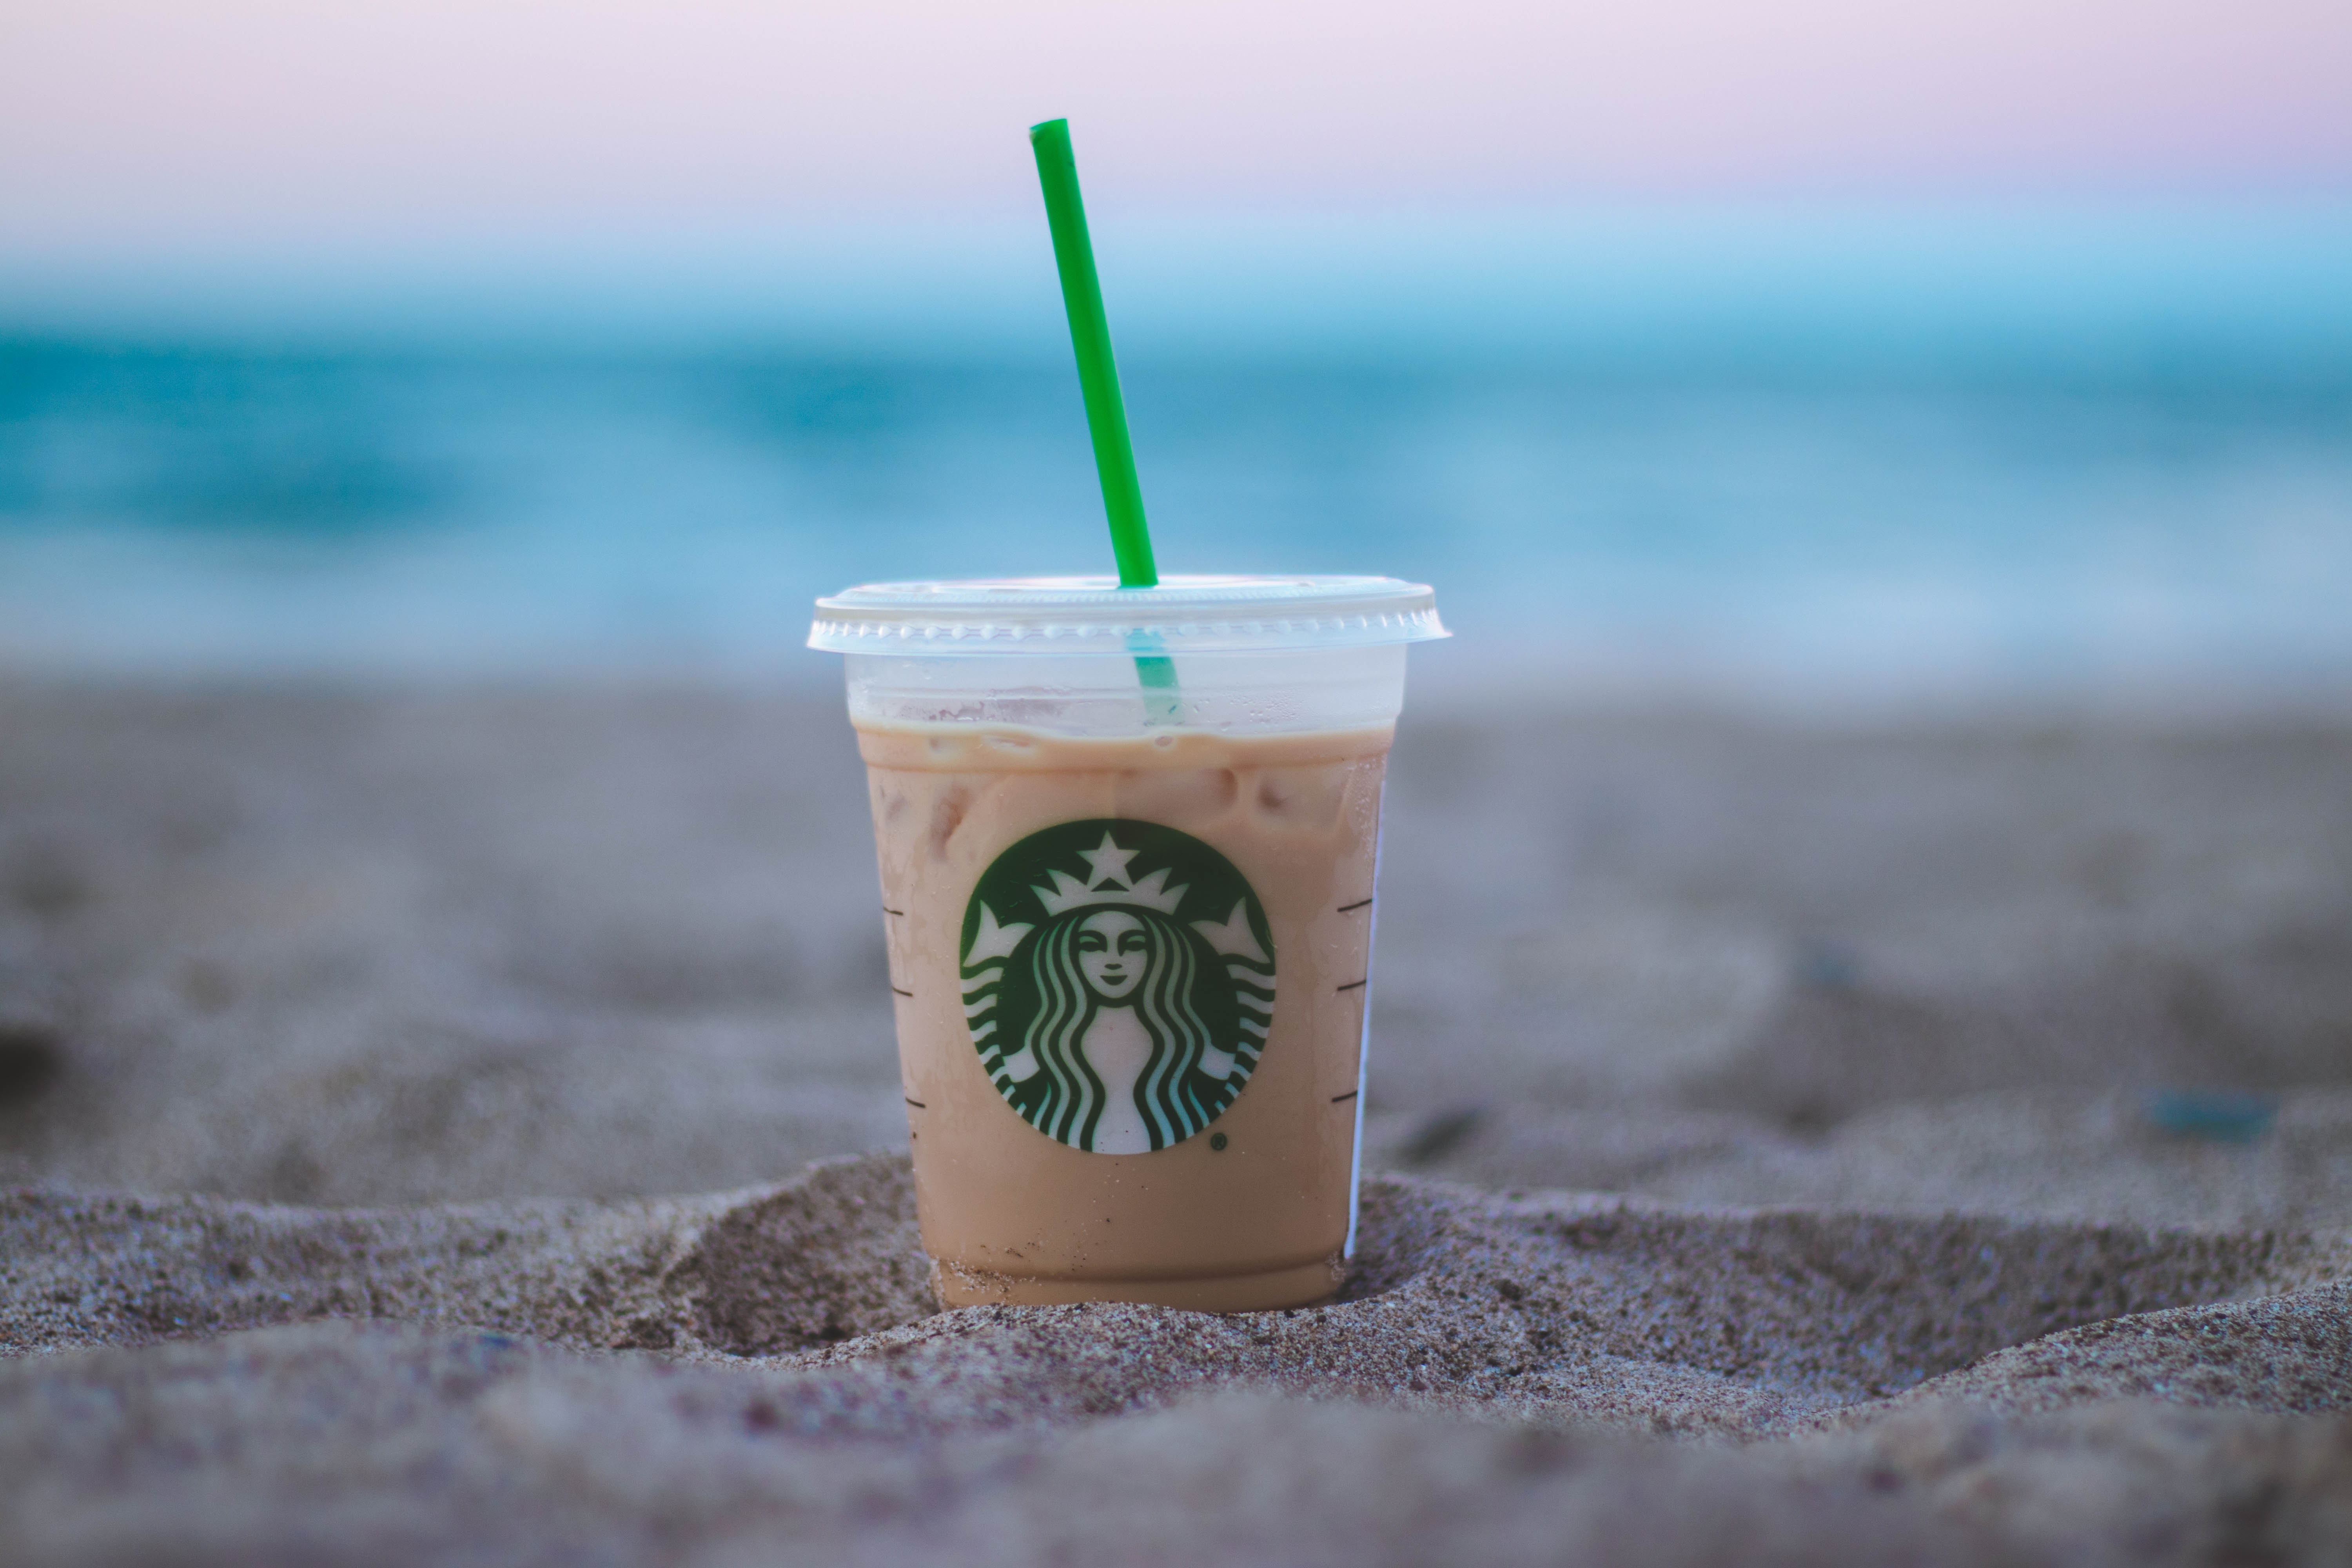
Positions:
{"x": 1130, "y": 927}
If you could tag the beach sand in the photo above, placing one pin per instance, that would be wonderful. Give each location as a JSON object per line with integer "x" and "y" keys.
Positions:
{"x": 1799, "y": 1144}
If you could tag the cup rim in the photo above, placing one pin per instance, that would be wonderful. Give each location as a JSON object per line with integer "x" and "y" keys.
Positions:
{"x": 1231, "y": 612}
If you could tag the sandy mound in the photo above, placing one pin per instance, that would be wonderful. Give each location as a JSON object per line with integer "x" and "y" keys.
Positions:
{"x": 812, "y": 1403}
{"x": 364, "y": 1444}
{"x": 1961, "y": 1120}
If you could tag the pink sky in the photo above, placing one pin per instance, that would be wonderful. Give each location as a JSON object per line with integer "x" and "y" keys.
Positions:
{"x": 136, "y": 118}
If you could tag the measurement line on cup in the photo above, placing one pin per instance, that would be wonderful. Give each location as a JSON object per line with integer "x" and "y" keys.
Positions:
{"x": 1357, "y": 984}
{"x": 1342, "y": 1099}
{"x": 913, "y": 1101}
{"x": 1350, "y": 909}
{"x": 896, "y": 992}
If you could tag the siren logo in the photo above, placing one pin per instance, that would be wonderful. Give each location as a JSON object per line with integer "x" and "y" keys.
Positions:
{"x": 1119, "y": 980}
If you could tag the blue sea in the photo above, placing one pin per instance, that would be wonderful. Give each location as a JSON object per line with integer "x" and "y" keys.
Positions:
{"x": 1777, "y": 459}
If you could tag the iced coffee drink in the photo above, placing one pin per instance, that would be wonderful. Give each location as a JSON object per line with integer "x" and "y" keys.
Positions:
{"x": 1130, "y": 943}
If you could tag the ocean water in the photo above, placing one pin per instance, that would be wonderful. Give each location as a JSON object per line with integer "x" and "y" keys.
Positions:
{"x": 1988, "y": 512}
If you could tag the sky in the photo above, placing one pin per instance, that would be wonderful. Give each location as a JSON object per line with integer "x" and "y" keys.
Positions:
{"x": 126, "y": 124}
{"x": 1483, "y": 172}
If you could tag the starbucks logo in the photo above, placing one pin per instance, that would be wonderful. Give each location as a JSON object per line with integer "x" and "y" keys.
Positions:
{"x": 1119, "y": 980}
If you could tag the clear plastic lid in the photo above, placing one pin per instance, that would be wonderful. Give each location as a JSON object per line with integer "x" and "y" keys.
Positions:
{"x": 1078, "y": 614}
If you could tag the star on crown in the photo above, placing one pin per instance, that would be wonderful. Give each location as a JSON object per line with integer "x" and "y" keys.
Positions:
{"x": 1107, "y": 864}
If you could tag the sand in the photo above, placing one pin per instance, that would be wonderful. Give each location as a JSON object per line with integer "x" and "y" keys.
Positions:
{"x": 1802, "y": 1145}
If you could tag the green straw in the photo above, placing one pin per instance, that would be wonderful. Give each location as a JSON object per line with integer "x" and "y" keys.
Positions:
{"x": 1073, "y": 256}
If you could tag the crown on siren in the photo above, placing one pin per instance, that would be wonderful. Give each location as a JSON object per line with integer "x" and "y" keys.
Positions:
{"x": 1152, "y": 892}
{"x": 1106, "y": 862}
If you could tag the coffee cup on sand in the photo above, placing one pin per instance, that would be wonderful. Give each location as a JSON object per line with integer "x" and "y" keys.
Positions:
{"x": 1128, "y": 840}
